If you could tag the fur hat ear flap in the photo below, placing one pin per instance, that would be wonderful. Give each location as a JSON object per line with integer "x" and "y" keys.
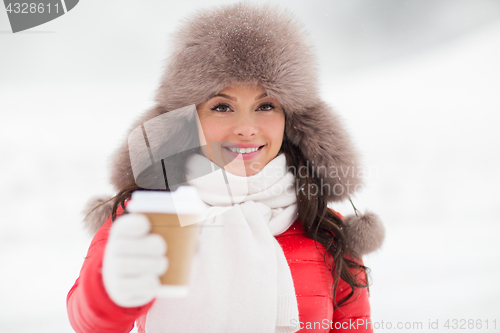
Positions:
{"x": 365, "y": 233}
{"x": 97, "y": 210}
{"x": 320, "y": 134}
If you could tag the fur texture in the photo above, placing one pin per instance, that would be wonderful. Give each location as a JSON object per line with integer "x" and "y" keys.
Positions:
{"x": 263, "y": 45}
{"x": 365, "y": 233}
{"x": 96, "y": 216}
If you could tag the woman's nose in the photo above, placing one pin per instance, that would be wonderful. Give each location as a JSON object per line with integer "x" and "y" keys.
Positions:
{"x": 246, "y": 126}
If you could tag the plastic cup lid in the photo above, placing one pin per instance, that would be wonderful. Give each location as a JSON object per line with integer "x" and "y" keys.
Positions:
{"x": 185, "y": 200}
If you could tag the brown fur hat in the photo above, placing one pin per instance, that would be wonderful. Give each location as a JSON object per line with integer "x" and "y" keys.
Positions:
{"x": 263, "y": 45}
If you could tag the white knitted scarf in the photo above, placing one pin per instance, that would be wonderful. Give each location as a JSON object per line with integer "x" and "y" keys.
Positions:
{"x": 240, "y": 280}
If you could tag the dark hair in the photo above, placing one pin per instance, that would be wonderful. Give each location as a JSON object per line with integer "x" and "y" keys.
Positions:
{"x": 319, "y": 222}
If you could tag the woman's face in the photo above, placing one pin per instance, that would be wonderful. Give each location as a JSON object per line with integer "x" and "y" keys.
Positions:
{"x": 243, "y": 129}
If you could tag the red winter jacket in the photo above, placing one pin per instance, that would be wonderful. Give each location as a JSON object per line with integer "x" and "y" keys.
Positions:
{"x": 90, "y": 309}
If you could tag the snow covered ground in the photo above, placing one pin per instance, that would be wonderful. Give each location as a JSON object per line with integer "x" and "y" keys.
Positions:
{"x": 428, "y": 130}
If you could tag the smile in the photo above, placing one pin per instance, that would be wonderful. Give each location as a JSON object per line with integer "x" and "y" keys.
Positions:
{"x": 243, "y": 150}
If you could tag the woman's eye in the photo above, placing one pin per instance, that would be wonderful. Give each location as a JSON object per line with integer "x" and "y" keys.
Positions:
{"x": 267, "y": 107}
{"x": 221, "y": 108}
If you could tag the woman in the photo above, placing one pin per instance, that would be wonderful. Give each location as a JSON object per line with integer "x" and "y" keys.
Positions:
{"x": 292, "y": 264}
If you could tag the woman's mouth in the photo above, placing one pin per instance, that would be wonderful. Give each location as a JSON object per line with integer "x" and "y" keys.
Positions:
{"x": 243, "y": 153}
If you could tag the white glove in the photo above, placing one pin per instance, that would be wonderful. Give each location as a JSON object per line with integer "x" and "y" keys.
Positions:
{"x": 133, "y": 261}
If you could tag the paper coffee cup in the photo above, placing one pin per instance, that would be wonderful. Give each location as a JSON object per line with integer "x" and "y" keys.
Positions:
{"x": 172, "y": 215}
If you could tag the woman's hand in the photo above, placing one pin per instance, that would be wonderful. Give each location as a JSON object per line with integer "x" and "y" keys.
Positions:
{"x": 133, "y": 261}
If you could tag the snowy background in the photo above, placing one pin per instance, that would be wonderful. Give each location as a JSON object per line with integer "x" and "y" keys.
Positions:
{"x": 416, "y": 82}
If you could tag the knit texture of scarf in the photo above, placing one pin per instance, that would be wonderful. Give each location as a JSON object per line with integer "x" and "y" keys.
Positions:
{"x": 240, "y": 279}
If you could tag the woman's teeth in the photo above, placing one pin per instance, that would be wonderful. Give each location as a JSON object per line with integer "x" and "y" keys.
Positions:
{"x": 243, "y": 150}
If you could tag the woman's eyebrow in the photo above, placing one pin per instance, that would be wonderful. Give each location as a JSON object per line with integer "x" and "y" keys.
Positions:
{"x": 234, "y": 99}
{"x": 225, "y": 96}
